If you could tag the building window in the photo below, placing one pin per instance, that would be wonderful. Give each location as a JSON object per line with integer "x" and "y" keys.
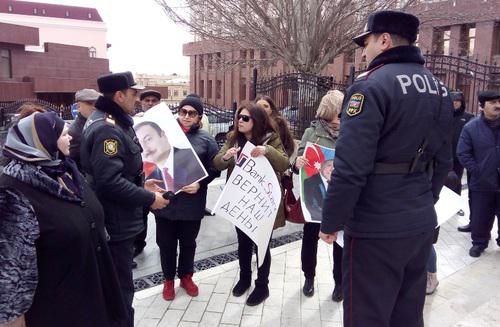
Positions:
{"x": 92, "y": 52}
{"x": 243, "y": 89}
{"x": 252, "y": 54}
{"x": 495, "y": 51}
{"x": 218, "y": 59}
{"x": 184, "y": 93}
{"x": 218, "y": 89}
{"x": 5, "y": 66}
{"x": 10, "y": 8}
{"x": 467, "y": 40}
{"x": 263, "y": 54}
{"x": 441, "y": 41}
{"x": 202, "y": 89}
{"x": 35, "y": 11}
{"x": 243, "y": 54}
{"x": 209, "y": 61}
{"x": 89, "y": 15}
{"x": 176, "y": 93}
{"x": 209, "y": 89}
{"x": 67, "y": 13}
{"x": 44, "y": 11}
{"x": 202, "y": 63}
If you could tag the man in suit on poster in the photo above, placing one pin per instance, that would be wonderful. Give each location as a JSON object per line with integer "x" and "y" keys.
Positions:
{"x": 177, "y": 170}
{"x": 315, "y": 189}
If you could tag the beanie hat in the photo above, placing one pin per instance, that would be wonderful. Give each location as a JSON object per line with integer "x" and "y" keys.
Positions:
{"x": 194, "y": 101}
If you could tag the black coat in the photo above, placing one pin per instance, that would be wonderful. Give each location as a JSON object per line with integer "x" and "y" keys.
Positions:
{"x": 111, "y": 159}
{"x": 386, "y": 116}
{"x": 186, "y": 206}
{"x": 314, "y": 192}
{"x": 77, "y": 284}
{"x": 460, "y": 118}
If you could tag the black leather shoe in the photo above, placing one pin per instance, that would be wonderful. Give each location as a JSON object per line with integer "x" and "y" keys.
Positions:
{"x": 337, "y": 294}
{"x": 476, "y": 251}
{"x": 241, "y": 287}
{"x": 464, "y": 228}
{"x": 308, "y": 288}
{"x": 138, "y": 250}
{"x": 134, "y": 264}
{"x": 258, "y": 295}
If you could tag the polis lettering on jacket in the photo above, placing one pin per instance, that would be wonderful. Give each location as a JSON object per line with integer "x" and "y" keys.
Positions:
{"x": 422, "y": 84}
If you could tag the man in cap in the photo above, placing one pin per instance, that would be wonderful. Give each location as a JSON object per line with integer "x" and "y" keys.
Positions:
{"x": 111, "y": 159}
{"x": 85, "y": 103}
{"x": 391, "y": 159}
{"x": 149, "y": 99}
{"x": 460, "y": 118}
{"x": 478, "y": 152}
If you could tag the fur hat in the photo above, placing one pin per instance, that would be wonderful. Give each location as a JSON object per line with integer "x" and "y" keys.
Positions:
{"x": 116, "y": 82}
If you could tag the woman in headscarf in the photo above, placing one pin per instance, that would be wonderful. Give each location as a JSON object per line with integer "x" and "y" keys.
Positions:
{"x": 55, "y": 266}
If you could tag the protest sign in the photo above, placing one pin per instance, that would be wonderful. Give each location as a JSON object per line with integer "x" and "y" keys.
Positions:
{"x": 448, "y": 205}
{"x": 167, "y": 154}
{"x": 314, "y": 177}
{"x": 251, "y": 198}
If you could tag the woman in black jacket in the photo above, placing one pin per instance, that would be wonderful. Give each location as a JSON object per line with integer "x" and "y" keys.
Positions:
{"x": 55, "y": 265}
{"x": 179, "y": 222}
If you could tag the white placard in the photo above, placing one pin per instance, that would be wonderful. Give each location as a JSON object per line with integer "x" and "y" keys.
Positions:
{"x": 448, "y": 205}
{"x": 251, "y": 198}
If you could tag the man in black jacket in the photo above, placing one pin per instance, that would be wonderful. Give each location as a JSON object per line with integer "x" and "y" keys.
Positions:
{"x": 111, "y": 159}
{"x": 460, "y": 118}
{"x": 395, "y": 128}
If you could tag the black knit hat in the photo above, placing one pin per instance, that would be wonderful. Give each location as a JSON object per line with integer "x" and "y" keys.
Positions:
{"x": 194, "y": 101}
{"x": 387, "y": 21}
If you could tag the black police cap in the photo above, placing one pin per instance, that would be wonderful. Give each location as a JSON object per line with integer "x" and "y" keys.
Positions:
{"x": 488, "y": 96}
{"x": 147, "y": 93}
{"x": 394, "y": 22}
{"x": 116, "y": 82}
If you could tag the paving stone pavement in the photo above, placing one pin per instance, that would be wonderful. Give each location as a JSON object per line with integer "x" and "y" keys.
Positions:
{"x": 467, "y": 294}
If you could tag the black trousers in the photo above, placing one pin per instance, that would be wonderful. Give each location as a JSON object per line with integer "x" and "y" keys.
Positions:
{"x": 140, "y": 240}
{"x": 245, "y": 251}
{"x": 385, "y": 280}
{"x": 169, "y": 234}
{"x": 483, "y": 208}
{"x": 123, "y": 253}
{"x": 309, "y": 252}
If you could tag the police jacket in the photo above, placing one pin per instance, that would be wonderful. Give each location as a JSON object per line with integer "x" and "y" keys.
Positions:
{"x": 185, "y": 206}
{"x": 460, "y": 118}
{"x": 387, "y": 114}
{"x": 111, "y": 159}
{"x": 479, "y": 152}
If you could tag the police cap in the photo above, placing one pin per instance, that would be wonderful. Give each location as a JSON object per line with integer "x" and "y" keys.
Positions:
{"x": 487, "y": 96}
{"x": 116, "y": 82}
{"x": 387, "y": 21}
{"x": 147, "y": 93}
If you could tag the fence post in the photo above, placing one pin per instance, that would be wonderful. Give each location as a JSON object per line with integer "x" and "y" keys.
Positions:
{"x": 254, "y": 86}
{"x": 350, "y": 80}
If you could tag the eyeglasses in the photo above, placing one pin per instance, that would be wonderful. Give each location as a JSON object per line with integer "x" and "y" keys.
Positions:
{"x": 190, "y": 113}
{"x": 245, "y": 118}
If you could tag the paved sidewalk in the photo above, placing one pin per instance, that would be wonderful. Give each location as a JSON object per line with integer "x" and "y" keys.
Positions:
{"x": 467, "y": 294}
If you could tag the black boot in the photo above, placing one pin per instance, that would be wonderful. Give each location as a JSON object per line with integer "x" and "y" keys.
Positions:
{"x": 308, "y": 288}
{"x": 337, "y": 293}
{"x": 464, "y": 228}
{"x": 258, "y": 295}
{"x": 241, "y": 287}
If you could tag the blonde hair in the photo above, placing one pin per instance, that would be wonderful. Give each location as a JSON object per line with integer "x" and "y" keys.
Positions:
{"x": 330, "y": 105}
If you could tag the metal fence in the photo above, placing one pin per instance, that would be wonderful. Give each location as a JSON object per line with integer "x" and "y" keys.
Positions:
{"x": 297, "y": 96}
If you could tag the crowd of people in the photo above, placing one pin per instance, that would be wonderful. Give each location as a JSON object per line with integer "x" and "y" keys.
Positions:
{"x": 75, "y": 201}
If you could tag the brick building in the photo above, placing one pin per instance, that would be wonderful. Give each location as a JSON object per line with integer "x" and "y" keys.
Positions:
{"x": 463, "y": 28}
{"x": 50, "y": 71}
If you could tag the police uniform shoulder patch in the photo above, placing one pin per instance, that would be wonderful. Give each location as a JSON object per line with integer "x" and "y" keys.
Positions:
{"x": 355, "y": 105}
{"x": 110, "y": 147}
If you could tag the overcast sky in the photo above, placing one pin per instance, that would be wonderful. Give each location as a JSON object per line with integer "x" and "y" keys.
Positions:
{"x": 143, "y": 39}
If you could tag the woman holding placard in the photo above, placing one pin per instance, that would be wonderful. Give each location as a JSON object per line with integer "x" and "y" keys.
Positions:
{"x": 323, "y": 131}
{"x": 252, "y": 124}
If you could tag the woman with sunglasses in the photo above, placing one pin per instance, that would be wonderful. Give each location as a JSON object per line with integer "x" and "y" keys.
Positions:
{"x": 253, "y": 125}
{"x": 55, "y": 264}
{"x": 323, "y": 131}
{"x": 179, "y": 222}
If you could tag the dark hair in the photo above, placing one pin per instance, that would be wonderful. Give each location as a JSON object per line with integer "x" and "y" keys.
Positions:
{"x": 153, "y": 125}
{"x": 261, "y": 124}
{"x": 281, "y": 124}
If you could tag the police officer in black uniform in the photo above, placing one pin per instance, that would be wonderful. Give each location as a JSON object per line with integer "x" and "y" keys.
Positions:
{"x": 111, "y": 159}
{"x": 391, "y": 159}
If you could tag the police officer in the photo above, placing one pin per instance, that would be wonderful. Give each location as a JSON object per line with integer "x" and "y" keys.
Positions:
{"x": 395, "y": 132}
{"x": 111, "y": 159}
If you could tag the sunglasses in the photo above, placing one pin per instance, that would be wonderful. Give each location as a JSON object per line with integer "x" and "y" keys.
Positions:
{"x": 190, "y": 113}
{"x": 245, "y": 118}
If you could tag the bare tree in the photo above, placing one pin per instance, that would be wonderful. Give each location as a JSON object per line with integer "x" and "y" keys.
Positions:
{"x": 306, "y": 34}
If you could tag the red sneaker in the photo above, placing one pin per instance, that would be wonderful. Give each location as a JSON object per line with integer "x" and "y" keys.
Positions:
{"x": 168, "y": 290}
{"x": 188, "y": 284}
